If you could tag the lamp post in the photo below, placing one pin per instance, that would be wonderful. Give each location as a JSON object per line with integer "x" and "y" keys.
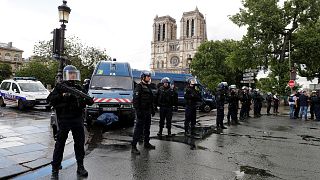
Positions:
{"x": 64, "y": 12}
{"x": 189, "y": 60}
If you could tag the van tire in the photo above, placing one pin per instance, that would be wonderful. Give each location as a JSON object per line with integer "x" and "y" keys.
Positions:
{"x": 20, "y": 105}
{"x": 2, "y": 104}
{"x": 206, "y": 108}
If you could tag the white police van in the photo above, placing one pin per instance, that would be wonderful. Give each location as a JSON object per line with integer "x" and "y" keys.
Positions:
{"x": 23, "y": 92}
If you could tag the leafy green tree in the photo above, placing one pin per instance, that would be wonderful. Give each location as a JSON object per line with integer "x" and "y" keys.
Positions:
{"x": 270, "y": 25}
{"x": 210, "y": 63}
{"x": 5, "y": 71}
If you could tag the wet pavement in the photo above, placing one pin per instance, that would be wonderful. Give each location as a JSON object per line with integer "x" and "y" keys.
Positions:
{"x": 26, "y": 141}
{"x": 270, "y": 147}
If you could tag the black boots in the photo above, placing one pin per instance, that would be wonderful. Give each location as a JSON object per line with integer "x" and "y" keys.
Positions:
{"x": 169, "y": 132}
{"x": 160, "y": 132}
{"x": 81, "y": 171}
{"x": 149, "y": 146}
{"x": 55, "y": 172}
{"x": 134, "y": 150}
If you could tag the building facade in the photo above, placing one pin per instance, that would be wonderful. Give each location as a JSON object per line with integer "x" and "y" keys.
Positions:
{"x": 169, "y": 54}
{"x": 11, "y": 55}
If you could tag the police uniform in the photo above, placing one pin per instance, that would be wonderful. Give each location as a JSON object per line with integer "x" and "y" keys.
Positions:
{"x": 269, "y": 101}
{"x": 166, "y": 98}
{"x": 221, "y": 96}
{"x": 143, "y": 104}
{"x": 245, "y": 105}
{"x": 69, "y": 111}
{"x": 233, "y": 101}
{"x": 316, "y": 103}
{"x": 191, "y": 97}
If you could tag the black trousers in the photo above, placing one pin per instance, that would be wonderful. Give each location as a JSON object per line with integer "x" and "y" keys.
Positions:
{"x": 317, "y": 111}
{"x": 77, "y": 130}
{"x": 190, "y": 117}
{"x": 312, "y": 111}
{"x": 165, "y": 114}
{"x": 268, "y": 107}
{"x": 220, "y": 116}
{"x": 142, "y": 126}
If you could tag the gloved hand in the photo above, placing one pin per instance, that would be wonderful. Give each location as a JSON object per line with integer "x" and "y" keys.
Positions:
{"x": 153, "y": 112}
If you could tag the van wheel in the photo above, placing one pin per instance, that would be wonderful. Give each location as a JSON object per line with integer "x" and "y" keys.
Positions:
{"x": 20, "y": 105}
{"x": 2, "y": 104}
{"x": 206, "y": 108}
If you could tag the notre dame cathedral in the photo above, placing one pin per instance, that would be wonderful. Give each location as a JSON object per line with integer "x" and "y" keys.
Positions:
{"x": 169, "y": 54}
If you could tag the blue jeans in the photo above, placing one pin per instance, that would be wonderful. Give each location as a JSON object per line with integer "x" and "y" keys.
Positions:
{"x": 303, "y": 112}
{"x": 291, "y": 111}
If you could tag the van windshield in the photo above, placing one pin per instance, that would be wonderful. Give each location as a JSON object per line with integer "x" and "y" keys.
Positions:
{"x": 32, "y": 87}
{"x": 111, "y": 82}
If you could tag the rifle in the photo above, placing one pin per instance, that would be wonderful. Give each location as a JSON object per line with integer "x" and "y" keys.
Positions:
{"x": 75, "y": 92}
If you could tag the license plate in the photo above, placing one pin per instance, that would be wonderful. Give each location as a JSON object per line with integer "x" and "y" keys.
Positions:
{"x": 109, "y": 109}
{"x": 43, "y": 101}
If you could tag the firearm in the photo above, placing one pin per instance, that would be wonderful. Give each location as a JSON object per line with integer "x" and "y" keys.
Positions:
{"x": 75, "y": 92}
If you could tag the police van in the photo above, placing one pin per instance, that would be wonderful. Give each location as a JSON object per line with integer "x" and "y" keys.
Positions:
{"x": 180, "y": 83}
{"x": 23, "y": 92}
{"x": 111, "y": 87}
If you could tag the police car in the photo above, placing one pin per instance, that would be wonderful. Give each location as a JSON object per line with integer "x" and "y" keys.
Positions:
{"x": 23, "y": 92}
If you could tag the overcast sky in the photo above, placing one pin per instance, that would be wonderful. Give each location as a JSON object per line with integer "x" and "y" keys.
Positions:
{"x": 122, "y": 27}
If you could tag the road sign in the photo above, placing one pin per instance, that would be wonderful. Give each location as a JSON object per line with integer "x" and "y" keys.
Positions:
{"x": 291, "y": 83}
{"x": 248, "y": 78}
{"x": 251, "y": 70}
{"x": 247, "y": 82}
{"x": 248, "y": 74}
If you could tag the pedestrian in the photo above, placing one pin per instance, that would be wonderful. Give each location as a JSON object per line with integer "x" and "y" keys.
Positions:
{"x": 69, "y": 109}
{"x": 166, "y": 99}
{"x": 276, "y": 102}
{"x": 291, "y": 101}
{"x": 269, "y": 101}
{"x": 192, "y": 96}
{"x": 144, "y": 107}
{"x": 221, "y": 96}
{"x": 297, "y": 106}
{"x": 233, "y": 105}
{"x": 313, "y": 94}
{"x": 303, "y": 105}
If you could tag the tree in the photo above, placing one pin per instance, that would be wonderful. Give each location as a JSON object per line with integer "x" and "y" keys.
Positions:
{"x": 5, "y": 71}
{"x": 210, "y": 63}
{"x": 307, "y": 54}
{"x": 77, "y": 53}
{"x": 270, "y": 26}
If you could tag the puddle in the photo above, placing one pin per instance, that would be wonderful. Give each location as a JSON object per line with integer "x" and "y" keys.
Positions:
{"x": 2, "y": 137}
{"x": 275, "y": 137}
{"x": 253, "y": 171}
{"x": 309, "y": 138}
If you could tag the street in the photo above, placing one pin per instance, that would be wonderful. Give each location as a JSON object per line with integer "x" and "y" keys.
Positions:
{"x": 270, "y": 147}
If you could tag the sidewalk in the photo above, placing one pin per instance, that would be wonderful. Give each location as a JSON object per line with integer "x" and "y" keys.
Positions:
{"x": 26, "y": 143}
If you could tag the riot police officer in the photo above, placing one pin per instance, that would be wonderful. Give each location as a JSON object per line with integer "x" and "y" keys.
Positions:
{"x": 245, "y": 103}
{"x": 313, "y": 94}
{"x": 257, "y": 103}
{"x": 144, "y": 107}
{"x": 85, "y": 85}
{"x": 166, "y": 98}
{"x": 269, "y": 101}
{"x": 191, "y": 97}
{"x": 233, "y": 101}
{"x": 221, "y": 96}
{"x": 69, "y": 109}
{"x": 316, "y": 103}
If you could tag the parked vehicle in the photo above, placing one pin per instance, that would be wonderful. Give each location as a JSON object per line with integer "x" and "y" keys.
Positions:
{"x": 111, "y": 86}
{"x": 23, "y": 92}
{"x": 180, "y": 83}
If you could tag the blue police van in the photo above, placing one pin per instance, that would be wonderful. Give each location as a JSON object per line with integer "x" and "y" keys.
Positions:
{"x": 180, "y": 83}
{"x": 111, "y": 86}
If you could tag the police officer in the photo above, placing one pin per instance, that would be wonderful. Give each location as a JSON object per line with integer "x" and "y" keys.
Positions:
{"x": 85, "y": 85}
{"x": 221, "y": 96}
{"x": 257, "y": 100}
{"x": 233, "y": 101}
{"x": 144, "y": 106}
{"x": 269, "y": 101}
{"x": 69, "y": 109}
{"x": 166, "y": 98}
{"x": 313, "y": 94}
{"x": 316, "y": 102}
{"x": 245, "y": 103}
{"x": 191, "y": 97}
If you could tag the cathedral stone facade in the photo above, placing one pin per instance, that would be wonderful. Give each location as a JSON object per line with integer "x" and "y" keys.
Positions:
{"x": 169, "y": 54}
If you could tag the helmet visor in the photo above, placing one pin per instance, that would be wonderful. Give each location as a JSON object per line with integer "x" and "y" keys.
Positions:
{"x": 69, "y": 75}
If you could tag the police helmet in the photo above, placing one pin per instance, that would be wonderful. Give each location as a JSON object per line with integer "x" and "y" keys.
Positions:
{"x": 193, "y": 81}
{"x": 233, "y": 86}
{"x": 244, "y": 88}
{"x": 165, "y": 80}
{"x": 86, "y": 81}
{"x": 223, "y": 86}
{"x": 269, "y": 93}
{"x": 71, "y": 73}
{"x": 145, "y": 74}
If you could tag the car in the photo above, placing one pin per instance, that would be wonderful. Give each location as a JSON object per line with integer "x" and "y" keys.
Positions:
{"x": 23, "y": 92}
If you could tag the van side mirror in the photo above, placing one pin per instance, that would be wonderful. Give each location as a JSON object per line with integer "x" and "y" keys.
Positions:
{"x": 16, "y": 91}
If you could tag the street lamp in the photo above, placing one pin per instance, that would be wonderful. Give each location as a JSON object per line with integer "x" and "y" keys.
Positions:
{"x": 64, "y": 12}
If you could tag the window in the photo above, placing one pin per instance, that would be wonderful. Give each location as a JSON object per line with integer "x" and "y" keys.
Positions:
{"x": 15, "y": 88}
{"x": 174, "y": 61}
{"x": 7, "y": 56}
{"x": 163, "y": 31}
{"x": 5, "y": 86}
{"x": 162, "y": 64}
{"x": 158, "y": 64}
{"x": 159, "y": 31}
{"x": 192, "y": 28}
{"x": 171, "y": 32}
{"x": 187, "y": 31}
{"x": 16, "y": 57}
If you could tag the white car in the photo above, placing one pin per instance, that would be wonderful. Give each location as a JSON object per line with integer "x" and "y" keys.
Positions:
{"x": 23, "y": 92}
